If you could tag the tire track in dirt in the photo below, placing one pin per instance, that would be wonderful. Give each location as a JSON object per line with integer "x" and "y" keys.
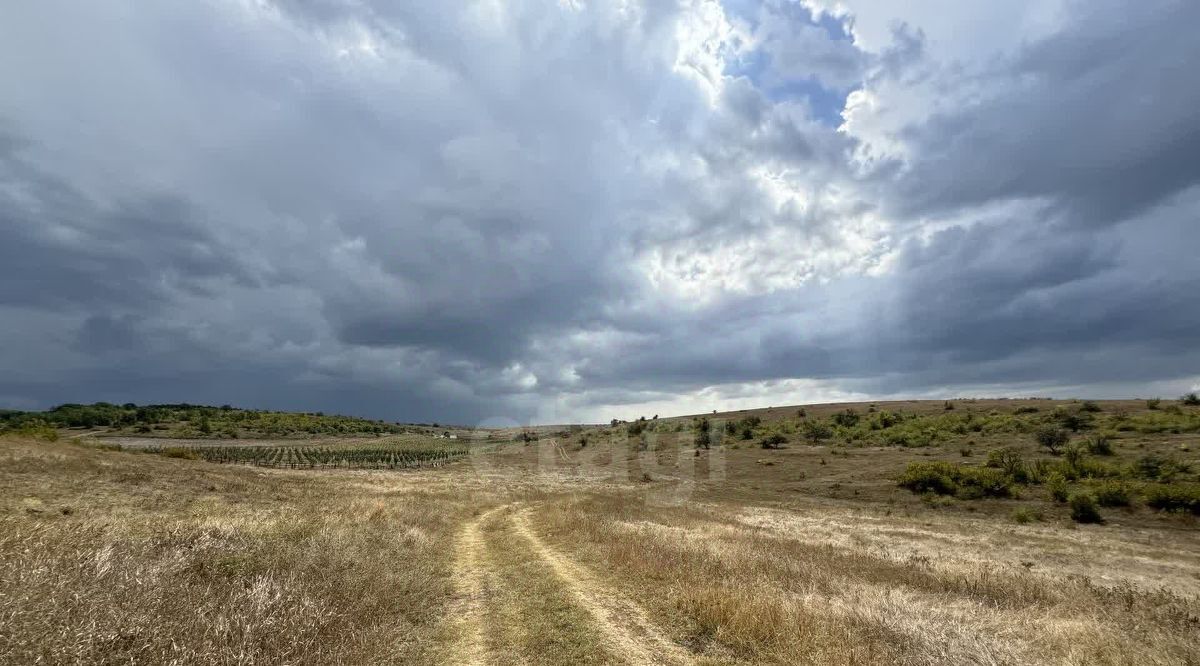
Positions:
{"x": 623, "y": 623}
{"x": 468, "y": 624}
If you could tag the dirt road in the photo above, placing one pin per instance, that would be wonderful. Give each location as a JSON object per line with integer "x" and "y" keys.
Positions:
{"x": 520, "y": 601}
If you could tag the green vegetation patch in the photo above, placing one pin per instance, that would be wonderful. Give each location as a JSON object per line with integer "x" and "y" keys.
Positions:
{"x": 193, "y": 421}
{"x": 965, "y": 482}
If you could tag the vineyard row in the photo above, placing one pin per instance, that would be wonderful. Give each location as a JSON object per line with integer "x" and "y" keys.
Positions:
{"x": 315, "y": 457}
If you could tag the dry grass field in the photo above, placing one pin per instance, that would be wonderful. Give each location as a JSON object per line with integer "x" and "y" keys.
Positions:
{"x": 592, "y": 545}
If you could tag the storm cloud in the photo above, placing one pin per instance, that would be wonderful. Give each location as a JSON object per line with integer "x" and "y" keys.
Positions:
{"x": 583, "y": 210}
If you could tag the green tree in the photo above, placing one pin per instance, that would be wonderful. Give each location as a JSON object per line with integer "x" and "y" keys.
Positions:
{"x": 815, "y": 431}
{"x": 1052, "y": 438}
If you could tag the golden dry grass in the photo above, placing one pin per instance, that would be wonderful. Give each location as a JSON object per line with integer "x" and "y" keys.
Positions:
{"x": 119, "y": 558}
{"x": 746, "y": 592}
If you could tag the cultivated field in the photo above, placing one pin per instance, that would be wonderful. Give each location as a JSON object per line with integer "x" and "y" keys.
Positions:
{"x": 926, "y": 532}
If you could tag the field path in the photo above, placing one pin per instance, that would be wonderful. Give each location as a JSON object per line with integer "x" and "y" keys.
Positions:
{"x": 471, "y": 646}
{"x": 627, "y": 631}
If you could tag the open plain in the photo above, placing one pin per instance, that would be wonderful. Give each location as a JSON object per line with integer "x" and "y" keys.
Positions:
{"x": 625, "y": 543}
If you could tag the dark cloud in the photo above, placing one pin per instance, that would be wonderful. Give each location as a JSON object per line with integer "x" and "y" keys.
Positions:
{"x": 1096, "y": 119}
{"x": 63, "y": 249}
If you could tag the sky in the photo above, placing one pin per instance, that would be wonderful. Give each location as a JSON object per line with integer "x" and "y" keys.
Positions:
{"x": 543, "y": 212}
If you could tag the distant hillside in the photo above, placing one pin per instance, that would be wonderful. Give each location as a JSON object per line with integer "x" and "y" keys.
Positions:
{"x": 184, "y": 420}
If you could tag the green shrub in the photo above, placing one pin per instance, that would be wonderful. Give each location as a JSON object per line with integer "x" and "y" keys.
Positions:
{"x": 1155, "y": 468}
{"x": 1083, "y": 509}
{"x": 1074, "y": 421}
{"x": 1097, "y": 469}
{"x": 1073, "y": 455}
{"x": 885, "y": 419}
{"x": 896, "y": 439}
{"x": 773, "y": 441}
{"x": 1175, "y": 497}
{"x": 1025, "y": 410}
{"x": 1025, "y": 515}
{"x": 815, "y": 431}
{"x": 847, "y": 418}
{"x": 703, "y": 437}
{"x": 930, "y": 477}
{"x": 1111, "y": 493}
{"x": 1056, "y": 485}
{"x": 1190, "y": 399}
{"x": 1153, "y": 403}
{"x": 977, "y": 482}
{"x": 1010, "y": 461}
{"x": 1050, "y": 437}
{"x": 1100, "y": 445}
{"x": 1040, "y": 470}
{"x": 943, "y": 478}
{"x": 38, "y": 429}
{"x": 180, "y": 452}
{"x": 1089, "y": 406}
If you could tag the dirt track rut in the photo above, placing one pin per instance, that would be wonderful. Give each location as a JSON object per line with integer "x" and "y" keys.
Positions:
{"x": 627, "y": 633}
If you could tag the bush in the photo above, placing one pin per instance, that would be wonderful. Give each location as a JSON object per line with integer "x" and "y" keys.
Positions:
{"x": 977, "y": 482}
{"x": 886, "y": 419}
{"x": 773, "y": 441}
{"x": 1010, "y": 461}
{"x": 1153, "y": 403}
{"x": 1026, "y": 515}
{"x": 930, "y": 477}
{"x": 815, "y": 431}
{"x": 846, "y": 419}
{"x": 943, "y": 478}
{"x": 37, "y": 429}
{"x": 1089, "y": 406}
{"x": 703, "y": 438}
{"x": 1073, "y": 455}
{"x": 1100, "y": 445}
{"x": 1190, "y": 399}
{"x": 637, "y": 427}
{"x": 1155, "y": 468}
{"x": 1056, "y": 485}
{"x": 1183, "y": 498}
{"x": 1112, "y": 493}
{"x": 1025, "y": 410}
{"x": 1098, "y": 469}
{"x": 180, "y": 452}
{"x": 1074, "y": 421}
{"x": 1041, "y": 469}
{"x": 1050, "y": 437}
{"x": 1083, "y": 509}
